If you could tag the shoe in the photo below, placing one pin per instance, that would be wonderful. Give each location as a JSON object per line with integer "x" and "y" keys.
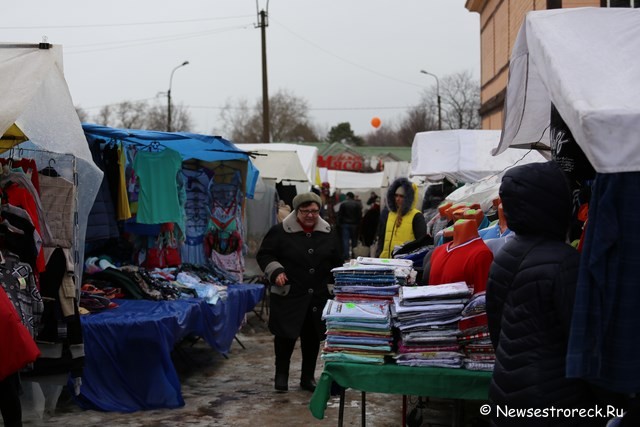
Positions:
{"x": 282, "y": 382}
{"x": 309, "y": 385}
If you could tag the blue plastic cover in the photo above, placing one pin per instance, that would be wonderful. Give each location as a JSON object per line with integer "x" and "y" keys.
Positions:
{"x": 128, "y": 364}
{"x": 189, "y": 145}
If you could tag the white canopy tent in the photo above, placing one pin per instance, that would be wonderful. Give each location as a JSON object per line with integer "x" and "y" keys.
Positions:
{"x": 36, "y": 98}
{"x": 583, "y": 61}
{"x": 308, "y": 156}
{"x": 463, "y": 155}
{"x": 279, "y": 166}
{"x": 359, "y": 183}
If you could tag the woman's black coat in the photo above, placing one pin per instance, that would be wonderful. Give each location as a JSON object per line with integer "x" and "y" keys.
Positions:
{"x": 307, "y": 259}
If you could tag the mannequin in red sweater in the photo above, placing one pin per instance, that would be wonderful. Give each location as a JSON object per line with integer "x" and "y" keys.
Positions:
{"x": 465, "y": 259}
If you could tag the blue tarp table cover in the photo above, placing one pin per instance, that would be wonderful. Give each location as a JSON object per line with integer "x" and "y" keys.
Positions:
{"x": 128, "y": 364}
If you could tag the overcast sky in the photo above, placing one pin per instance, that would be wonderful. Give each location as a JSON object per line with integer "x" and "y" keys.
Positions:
{"x": 351, "y": 60}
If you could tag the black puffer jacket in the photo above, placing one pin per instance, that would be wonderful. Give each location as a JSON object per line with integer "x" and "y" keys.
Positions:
{"x": 530, "y": 296}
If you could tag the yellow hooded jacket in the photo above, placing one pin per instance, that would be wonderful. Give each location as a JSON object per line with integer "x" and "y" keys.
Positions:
{"x": 399, "y": 228}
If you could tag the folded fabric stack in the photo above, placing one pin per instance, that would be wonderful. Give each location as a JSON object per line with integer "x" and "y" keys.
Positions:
{"x": 474, "y": 335}
{"x": 365, "y": 283}
{"x": 403, "y": 269}
{"x": 357, "y": 332}
{"x": 427, "y": 318}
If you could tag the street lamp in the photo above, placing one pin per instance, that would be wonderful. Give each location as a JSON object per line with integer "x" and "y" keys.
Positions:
{"x": 438, "y": 92}
{"x": 169, "y": 95}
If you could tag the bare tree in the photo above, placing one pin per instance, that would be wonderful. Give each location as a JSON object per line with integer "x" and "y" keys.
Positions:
{"x": 82, "y": 114}
{"x": 289, "y": 121}
{"x": 383, "y": 136}
{"x": 157, "y": 118}
{"x": 141, "y": 115}
{"x": 460, "y": 97}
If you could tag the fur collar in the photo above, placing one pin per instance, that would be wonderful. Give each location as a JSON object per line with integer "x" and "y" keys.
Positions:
{"x": 291, "y": 225}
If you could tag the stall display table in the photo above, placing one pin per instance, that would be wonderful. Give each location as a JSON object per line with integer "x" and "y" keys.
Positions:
{"x": 128, "y": 364}
{"x": 459, "y": 384}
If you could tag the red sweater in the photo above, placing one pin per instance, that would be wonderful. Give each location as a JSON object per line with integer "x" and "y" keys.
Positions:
{"x": 469, "y": 262}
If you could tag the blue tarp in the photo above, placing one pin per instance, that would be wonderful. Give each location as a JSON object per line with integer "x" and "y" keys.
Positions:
{"x": 128, "y": 364}
{"x": 189, "y": 145}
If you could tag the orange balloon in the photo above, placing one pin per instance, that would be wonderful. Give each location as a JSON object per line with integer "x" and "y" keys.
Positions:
{"x": 376, "y": 122}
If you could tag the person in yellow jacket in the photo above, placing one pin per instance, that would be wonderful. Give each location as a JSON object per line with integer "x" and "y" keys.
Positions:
{"x": 400, "y": 221}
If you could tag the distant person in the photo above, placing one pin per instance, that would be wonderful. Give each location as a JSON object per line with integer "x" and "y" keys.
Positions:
{"x": 369, "y": 225}
{"x": 400, "y": 221}
{"x": 349, "y": 217}
{"x": 530, "y": 298}
{"x": 372, "y": 198}
{"x": 297, "y": 257}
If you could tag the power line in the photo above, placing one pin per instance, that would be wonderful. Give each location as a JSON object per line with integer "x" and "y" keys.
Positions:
{"x": 344, "y": 59}
{"x": 147, "y": 41}
{"x": 43, "y": 27}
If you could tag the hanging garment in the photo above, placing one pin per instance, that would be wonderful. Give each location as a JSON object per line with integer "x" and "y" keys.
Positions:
{"x": 223, "y": 240}
{"x": 18, "y": 348}
{"x": 196, "y": 209}
{"x": 158, "y": 199}
{"x": 17, "y": 279}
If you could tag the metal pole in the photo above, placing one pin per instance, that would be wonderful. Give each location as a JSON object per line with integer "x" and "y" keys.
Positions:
{"x": 169, "y": 95}
{"x": 266, "y": 137}
{"x": 438, "y": 93}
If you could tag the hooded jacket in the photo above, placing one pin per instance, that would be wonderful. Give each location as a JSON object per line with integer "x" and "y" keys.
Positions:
{"x": 399, "y": 224}
{"x": 530, "y": 295}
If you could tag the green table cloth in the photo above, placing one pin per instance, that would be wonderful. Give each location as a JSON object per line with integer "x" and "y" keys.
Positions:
{"x": 445, "y": 383}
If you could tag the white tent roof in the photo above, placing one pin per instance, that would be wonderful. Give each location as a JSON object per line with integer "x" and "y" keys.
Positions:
{"x": 279, "y": 165}
{"x": 585, "y": 62}
{"x": 463, "y": 155}
{"x": 308, "y": 157}
{"x": 35, "y": 97}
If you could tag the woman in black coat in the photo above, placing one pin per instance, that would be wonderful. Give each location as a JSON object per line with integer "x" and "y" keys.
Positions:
{"x": 530, "y": 295}
{"x": 297, "y": 257}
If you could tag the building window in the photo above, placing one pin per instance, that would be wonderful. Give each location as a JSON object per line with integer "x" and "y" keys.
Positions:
{"x": 620, "y": 3}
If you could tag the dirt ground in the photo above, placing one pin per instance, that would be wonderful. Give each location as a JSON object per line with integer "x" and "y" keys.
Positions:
{"x": 238, "y": 391}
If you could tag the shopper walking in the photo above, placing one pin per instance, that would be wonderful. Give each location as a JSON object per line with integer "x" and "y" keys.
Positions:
{"x": 297, "y": 257}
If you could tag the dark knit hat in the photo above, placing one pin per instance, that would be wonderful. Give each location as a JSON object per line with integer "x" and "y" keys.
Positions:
{"x": 303, "y": 198}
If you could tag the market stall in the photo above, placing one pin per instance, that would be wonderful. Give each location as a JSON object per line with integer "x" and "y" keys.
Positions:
{"x": 582, "y": 61}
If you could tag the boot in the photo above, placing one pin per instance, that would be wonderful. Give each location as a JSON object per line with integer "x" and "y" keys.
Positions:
{"x": 282, "y": 375}
{"x": 307, "y": 381}
{"x": 282, "y": 381}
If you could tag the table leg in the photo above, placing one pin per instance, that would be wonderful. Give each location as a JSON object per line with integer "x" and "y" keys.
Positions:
{"x": 458, "y": 409}
{"x": 364, "y": 409}
{"x": 404, "y": 410}
{"x": 341, "y": 408}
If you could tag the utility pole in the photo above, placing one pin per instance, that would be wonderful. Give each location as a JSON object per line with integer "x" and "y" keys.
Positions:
{"x": 263, "y": 23}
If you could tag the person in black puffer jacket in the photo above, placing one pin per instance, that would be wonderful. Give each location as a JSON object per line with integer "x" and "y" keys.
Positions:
{"x": 530, "y": 295}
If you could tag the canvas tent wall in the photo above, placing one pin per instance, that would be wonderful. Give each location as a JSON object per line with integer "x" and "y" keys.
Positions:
{"x": 35, "y": 98}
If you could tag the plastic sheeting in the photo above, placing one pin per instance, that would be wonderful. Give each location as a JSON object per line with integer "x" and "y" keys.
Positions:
{"x": 463, "y": 155}
{"x": 581, "y": 60}
{"x": 128, "y": 364}
{"x": 36, "y": 98}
